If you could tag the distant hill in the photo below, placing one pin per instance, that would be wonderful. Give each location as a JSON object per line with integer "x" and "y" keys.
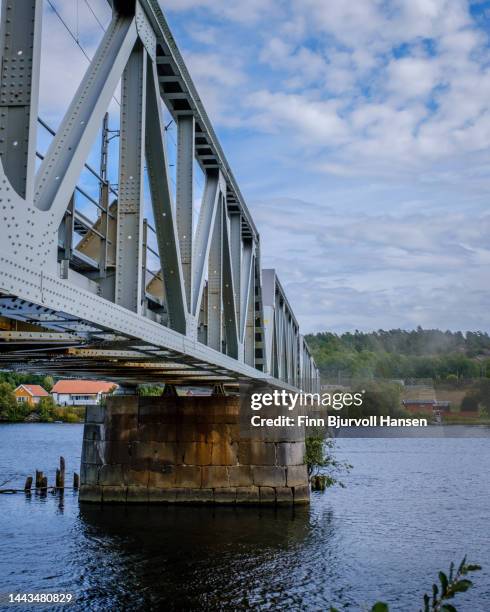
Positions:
{"x": 397, "y": 353}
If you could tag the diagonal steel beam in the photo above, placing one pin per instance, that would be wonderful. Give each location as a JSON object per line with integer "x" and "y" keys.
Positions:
{"x": 61, "y": 167}
{"x": 203, "y": 237}
{"x": 247, "y": 277}
{"x": 249, "y": 334}
{"x": 161, "y": 198}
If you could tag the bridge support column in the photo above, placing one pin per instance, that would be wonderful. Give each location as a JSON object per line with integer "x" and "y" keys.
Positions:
{"x": 185, "y": 450}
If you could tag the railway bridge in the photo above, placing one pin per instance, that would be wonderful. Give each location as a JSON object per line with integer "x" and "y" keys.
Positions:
{"x": 127, "y": 281}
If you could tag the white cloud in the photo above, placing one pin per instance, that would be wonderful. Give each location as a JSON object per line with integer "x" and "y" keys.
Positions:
{"x": 309, "y": 121}
{"x": 234, "y": 10}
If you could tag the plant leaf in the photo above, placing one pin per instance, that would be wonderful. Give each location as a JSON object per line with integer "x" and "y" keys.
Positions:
{"x": 461, "y": 586}
{"x": 461, "y": 565}
{"x": 451, "y": 572}
{"x": 444, "y": 582}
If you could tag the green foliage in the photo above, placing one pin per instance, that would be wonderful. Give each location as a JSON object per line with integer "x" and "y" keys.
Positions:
{"x": 15, "y": 379}
{"x": 45, "y": 409}
{"x": 48, "y": 383}
{"x": 449, "y": 586}
{"x": 10, "y": 410}
{"x": 380, "y": 398}
{"x": 150, "y": 390}
{"x": 71, "y": 417}
{"x": 401, "y": 354}
{"x": 478, "y": 397}
{"x": 320, "y": 460}
{"x": 69, "y": 414}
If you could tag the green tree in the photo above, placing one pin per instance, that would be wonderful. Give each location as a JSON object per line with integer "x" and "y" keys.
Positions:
{"x": 48, "y": 383}
{"x": 10, "y": 410}
{"x": 150, "y": 390}
{"x": 45, "y": 409}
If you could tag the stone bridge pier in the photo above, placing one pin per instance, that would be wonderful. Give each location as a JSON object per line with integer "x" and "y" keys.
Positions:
{"x": 187, "y": 450}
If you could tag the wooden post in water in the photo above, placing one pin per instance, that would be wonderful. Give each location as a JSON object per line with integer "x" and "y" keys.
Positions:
{"x": 44, "y": 484}
{"x": 28, "y": 484}
{"x": 39, "y": 477}
{"x": 62, "y": 473}
{"x": 58, "y": 479}
{"x": 76, "y": 480}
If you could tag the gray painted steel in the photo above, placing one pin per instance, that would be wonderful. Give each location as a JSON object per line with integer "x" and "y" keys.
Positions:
{"x": 210, "y": 314}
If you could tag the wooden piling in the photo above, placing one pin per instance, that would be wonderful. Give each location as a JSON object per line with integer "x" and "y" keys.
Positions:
{"x": 39, "y": 477}
{"x": 44, "y": 484}
{"x": 28, "y": 484}
{"x": 76, "y": 480}
{"x": 62, "y": 473}
{"x": 58, "y": 479}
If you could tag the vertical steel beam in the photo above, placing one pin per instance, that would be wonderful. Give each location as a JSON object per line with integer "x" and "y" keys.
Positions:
{"x": 20, "y": 47}
{"x": 104, "y": 197}
{"x": 69, "y": 227}
{"x": 229, "y": 292}
{"x": 130, "y": 202}
{"x": 215, "y": 282}
{"x": 144, "y": 258}
{"x": 184, "y": 197}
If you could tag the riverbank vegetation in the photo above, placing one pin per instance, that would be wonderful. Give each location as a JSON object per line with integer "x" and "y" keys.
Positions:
{"x": 46, "y": 411}
{"x": 393, "y": 366}
{"x": 401, "y": 354}
{"x": 323, "y": 467}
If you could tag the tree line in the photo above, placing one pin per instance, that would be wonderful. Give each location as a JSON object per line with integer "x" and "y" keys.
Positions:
{"x": 397, "y": 353}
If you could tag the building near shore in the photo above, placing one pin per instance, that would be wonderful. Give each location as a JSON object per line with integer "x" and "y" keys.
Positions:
{"x": 30, "y": 394}
{"x": 81, "y": 392}
{"x": 416, "y": 406}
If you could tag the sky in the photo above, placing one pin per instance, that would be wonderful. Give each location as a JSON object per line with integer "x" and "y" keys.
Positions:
{"x": 359, "y": 133}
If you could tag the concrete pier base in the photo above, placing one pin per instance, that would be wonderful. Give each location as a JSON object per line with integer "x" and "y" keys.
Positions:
{"x": 186, "y": 450}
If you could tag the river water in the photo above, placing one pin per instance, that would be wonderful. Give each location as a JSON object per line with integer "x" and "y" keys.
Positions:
{"x": 410, "y": 506}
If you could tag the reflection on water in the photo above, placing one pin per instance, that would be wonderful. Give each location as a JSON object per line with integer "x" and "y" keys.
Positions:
{"x": 409, "y": 508}
{"x": 197, "y": 557}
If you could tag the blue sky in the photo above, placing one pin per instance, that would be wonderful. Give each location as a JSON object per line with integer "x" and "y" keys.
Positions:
{"x": 360, "y": 136}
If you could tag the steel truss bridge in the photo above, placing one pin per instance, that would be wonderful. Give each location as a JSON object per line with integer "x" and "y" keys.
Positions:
{"x": 91, "y": 306}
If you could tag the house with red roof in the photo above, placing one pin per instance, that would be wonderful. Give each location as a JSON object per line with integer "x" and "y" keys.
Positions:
{"x": 30, "y": 394}
{"x": 81, "y": 392}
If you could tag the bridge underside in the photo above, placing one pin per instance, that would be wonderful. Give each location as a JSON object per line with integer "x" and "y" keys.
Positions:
{"x": 41, "y": 340}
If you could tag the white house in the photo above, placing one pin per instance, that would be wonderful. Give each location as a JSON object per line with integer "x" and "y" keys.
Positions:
{"x": 81, "y": 392}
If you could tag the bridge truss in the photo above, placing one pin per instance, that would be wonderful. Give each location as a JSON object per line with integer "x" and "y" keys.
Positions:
{"x": 93, "y": 307}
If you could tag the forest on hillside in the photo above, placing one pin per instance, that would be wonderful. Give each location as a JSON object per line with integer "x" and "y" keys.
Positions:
{"x": 402, "y": 354}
